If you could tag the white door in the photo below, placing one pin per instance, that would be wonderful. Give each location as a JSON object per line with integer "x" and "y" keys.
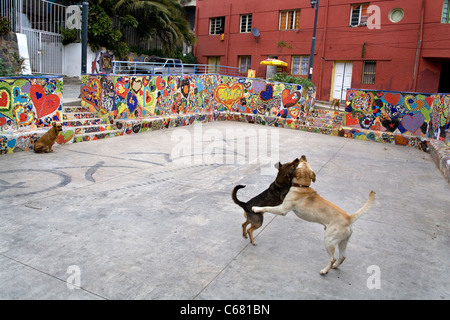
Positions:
{"x": 342, "y": 79}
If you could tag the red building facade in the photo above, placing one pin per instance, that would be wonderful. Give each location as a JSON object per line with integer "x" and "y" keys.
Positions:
{"x": 398, "y": 45}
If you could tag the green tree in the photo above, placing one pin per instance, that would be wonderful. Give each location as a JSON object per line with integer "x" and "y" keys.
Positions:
{"x": 159, "y": 18}
{"x": 150, "y": 18}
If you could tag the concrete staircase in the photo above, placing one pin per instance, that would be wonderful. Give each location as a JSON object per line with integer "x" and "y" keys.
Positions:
{"x": 87, "y": 126}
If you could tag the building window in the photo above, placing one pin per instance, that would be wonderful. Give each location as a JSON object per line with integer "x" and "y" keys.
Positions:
{"x": 217, "y": 25}
{"x": 246, "y": 23}
{"x": 445, "y": 12}
{"x": 300, "y": 65}
{"x": 289, "y": 20}
{"x": 359, "y": 15}
{"x": 244, "y": 63}
{"x": 368, "y": 75}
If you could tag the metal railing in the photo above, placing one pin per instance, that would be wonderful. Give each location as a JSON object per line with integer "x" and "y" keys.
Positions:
{"x": 136, "y": 67}
{"x": 41, "y": 21}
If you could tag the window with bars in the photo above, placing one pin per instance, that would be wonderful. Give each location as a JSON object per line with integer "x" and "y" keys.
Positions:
{"x": 300, "y": 65}
{"x": 359, "y": 15}
{"x": 445, "y": 12}
{"x": 290, "y": 19}
{"x": 369, "y": 70}
{"x": 217, "y": 25}
{"x": 244, "y": 63}
{"x": 246, "y": 23}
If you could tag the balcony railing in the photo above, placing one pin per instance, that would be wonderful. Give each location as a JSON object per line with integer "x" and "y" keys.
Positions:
{"x": 136, "y": 67}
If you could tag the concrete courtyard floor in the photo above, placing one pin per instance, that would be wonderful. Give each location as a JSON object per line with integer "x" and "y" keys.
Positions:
{"x": 149, "y": 216}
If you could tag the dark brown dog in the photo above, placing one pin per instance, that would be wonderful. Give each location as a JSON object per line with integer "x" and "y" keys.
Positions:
{"x": 272, "y": 196}
{"x": 45, "y": 143}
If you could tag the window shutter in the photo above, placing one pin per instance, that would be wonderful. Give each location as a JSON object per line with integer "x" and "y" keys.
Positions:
{"x": 283, "y": 16}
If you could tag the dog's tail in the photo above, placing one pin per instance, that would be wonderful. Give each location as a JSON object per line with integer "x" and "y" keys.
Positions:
{"x": 366, "y": 207}
{"x": 235, "y": 199}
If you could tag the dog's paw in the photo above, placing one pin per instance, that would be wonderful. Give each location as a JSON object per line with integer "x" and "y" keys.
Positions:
{"x": 324, "y": 271}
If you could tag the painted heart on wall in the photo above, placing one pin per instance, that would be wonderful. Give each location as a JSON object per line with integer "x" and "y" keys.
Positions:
{"x": 350, "y": 120}
{"x": 294, "y": 112}
{"x": 65, "y": 137}
{"x": 92, "y": 93}
{"x": 227, "y": 95}
{"x": 415, "y": 102}
{"x": 22, "y": 116}
{"x": 390, "y": 125}
{"x": 392, "y": 98}
{"x": 290, "y": 99}
{"x": 44, "y": 104}
{"x": 267, "y": 93}
{"x": 5, "y": 102}
{"x": 412, "y": 122}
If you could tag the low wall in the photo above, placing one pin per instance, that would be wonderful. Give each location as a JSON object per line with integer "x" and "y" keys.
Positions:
{"x": 135, "y": 97}
{"x": 28, "y": 106}
{"x": 411, "y": 114}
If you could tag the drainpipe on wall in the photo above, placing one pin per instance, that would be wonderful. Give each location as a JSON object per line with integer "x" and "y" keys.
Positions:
{"x": 228, "y": 37}
{"x": 196, "y": 28}
{"x": 419, "y": 48}
{"x": 319, "y": 85}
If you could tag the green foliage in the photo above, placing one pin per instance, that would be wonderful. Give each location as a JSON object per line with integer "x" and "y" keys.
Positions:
{"x": 189, "y": 58}
{"x": 101, "y": 33}
{"x": 282, "y": 44}
{"x": 287, "y": 78}
{"x": 161, "y": 19}
{"x": 129, "y": 21}
{"x": 4, "y": 26}
{"x": 164, "y": 19}
{"x": 9, "y": 72}
{"x": 20, "y": 63}
{"x": 145, "y": 52}
{"x": 3, "y": 71}
{"x": 69, "y": 36}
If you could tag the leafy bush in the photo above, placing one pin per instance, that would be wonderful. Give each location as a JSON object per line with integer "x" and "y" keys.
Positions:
{"x": 4, "y": 26}
{"x": 101, "y": 33}
{"x": 69, "y": 36}
{"x": 4, "y": 72}
{"x": 287, "y": 78}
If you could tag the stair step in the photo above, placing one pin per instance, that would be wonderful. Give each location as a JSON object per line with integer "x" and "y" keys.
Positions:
{"x": 94, "y": 129}
{"x": 97, "y": 135}
{"x": 83, "y": 122}
{"x": 75, "y": 109}
{"x": 78, "y": 115}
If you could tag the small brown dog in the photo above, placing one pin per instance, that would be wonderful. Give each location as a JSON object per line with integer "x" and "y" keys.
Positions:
{"x": 335, "y": 104}
{"x": 45, "y": 143}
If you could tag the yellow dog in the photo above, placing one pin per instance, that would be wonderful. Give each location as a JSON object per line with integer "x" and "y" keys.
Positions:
{"x": 309, "y": 206}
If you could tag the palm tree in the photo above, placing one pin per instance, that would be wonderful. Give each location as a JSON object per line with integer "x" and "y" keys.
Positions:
{"x": 160, "y": 19}
{"x": 163, "y": 19}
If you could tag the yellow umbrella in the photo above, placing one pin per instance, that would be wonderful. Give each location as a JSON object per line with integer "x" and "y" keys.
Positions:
{"x": 274, "y": 62}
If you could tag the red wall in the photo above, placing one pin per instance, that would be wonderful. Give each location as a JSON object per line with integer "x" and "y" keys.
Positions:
{"x": 394, "y": 46}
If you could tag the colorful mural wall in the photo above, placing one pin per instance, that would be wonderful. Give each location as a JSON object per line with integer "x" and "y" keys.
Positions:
{"x": 27, "y": 103}
{"x": 411, "y": 114}
{"x": 134, "y": 97}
